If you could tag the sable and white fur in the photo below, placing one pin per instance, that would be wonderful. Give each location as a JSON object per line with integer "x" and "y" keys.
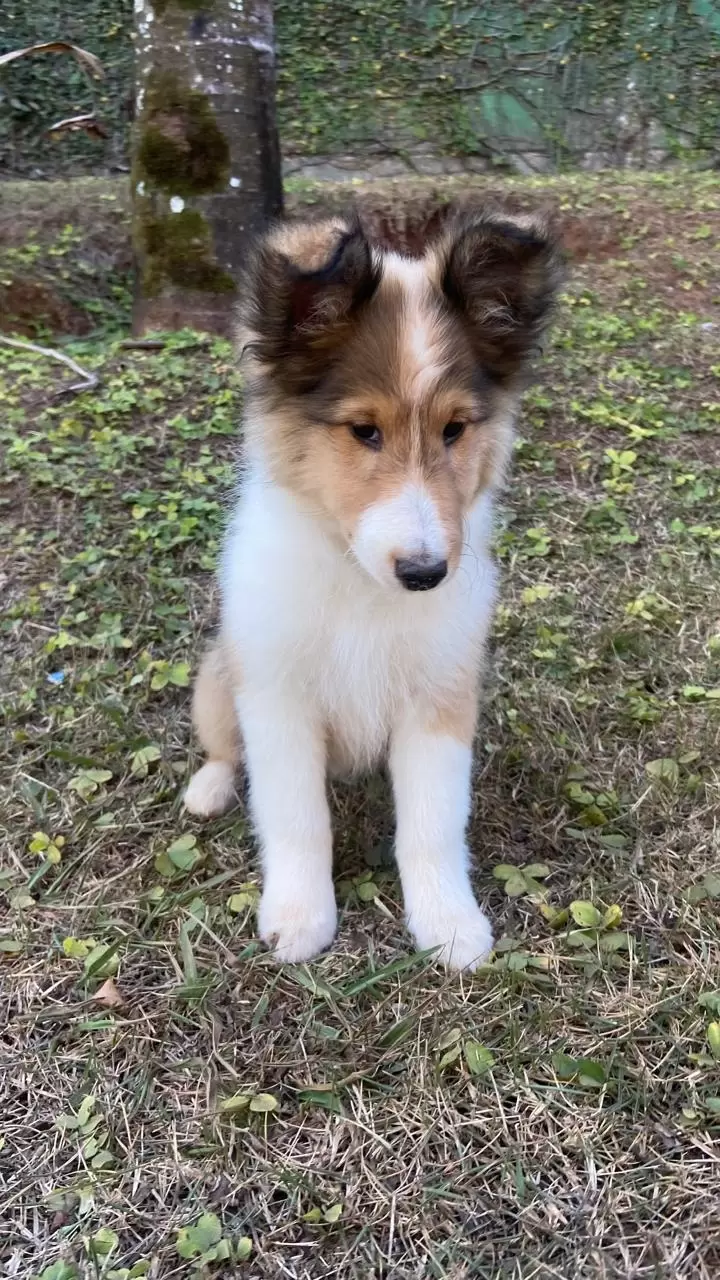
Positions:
{"x": 357, "y": 582}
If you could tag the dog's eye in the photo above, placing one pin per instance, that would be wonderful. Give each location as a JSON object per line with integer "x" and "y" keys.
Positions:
{"x": 370, "y": 436}
{"x": 452, "y": 431}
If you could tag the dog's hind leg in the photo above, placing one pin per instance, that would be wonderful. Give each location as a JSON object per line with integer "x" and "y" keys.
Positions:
{"x": 212, "y": 789}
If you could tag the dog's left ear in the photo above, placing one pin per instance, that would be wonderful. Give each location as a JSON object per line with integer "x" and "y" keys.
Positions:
{"x": 500, "y": 274}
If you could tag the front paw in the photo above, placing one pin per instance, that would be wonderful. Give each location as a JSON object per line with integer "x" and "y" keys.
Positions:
{"x": 297, "y": 925}
{"x": 211, "y": 791}
{"x": 459, "y": 928}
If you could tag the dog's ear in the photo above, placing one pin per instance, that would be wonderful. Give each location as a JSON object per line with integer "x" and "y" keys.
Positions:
{"x": 500, "y": 274}
{"x": 303, "y": 291}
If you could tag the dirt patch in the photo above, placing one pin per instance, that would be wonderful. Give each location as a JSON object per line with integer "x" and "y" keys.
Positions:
{"x": 65, "y": 256}
{"x": 27, "y": 305}
{"x": 589, "y": 237}
{"x": 669, "y": 253}
{"x": 65, "y": 248}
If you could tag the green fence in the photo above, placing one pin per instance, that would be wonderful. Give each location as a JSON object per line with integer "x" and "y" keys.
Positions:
{"x": 532, "y": 82}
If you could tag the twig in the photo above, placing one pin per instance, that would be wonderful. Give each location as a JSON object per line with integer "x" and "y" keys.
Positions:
{"x": 91, "y": 380}
{"x": 143, "y": 344}
{"x": 159, "y": 344}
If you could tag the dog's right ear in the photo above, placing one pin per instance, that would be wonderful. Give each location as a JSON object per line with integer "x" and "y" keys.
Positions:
{"x": 302, "y": 292}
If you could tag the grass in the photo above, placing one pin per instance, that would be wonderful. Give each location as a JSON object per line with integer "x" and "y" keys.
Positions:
{"x": 173, "y": 1103}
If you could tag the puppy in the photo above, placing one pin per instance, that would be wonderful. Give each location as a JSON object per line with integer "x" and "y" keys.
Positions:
{"x": 357, "y": 582}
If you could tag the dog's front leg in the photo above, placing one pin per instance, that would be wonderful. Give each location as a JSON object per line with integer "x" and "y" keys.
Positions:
{"x": 431, "y": 780}
{"x": 285, "y": 754}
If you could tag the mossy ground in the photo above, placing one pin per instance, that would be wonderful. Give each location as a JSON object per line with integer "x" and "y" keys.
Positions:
{"x": 555, "y": 1115}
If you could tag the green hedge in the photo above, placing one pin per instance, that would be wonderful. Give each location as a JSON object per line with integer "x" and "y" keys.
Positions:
{"x": 621, "y": 78}
{"x": 36, "y": 92}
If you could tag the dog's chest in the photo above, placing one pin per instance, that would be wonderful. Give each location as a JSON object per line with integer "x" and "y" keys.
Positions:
{"x": 367, "y": 669}
{"x": 307, "y": 619}
{"x": 367, "y": 659}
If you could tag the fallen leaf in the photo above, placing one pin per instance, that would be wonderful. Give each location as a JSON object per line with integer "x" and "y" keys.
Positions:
{"x": 109, "y": 995}
{"x": 586, "y": 914}
{"x": 88, "y": 124}
{"x": 367, "y": 891}
{"x": 247, "y": 897}
{"x": 478, "y": 1058}
{"x": 238, "y": 1102}
{"x": 263, "y": 1103}
{"x": 78, "y": 948}
{"x": 664, "y": 770}
{"x": 194, "y": 1240}
{"x": 103, "y": 961}
{"x": 102, "y": 1160}
{"x": 22, "y": 901}
{"x": 103, "y": 1242}
{"x": 143, "y": 758}
{"x": 87, "y": 61}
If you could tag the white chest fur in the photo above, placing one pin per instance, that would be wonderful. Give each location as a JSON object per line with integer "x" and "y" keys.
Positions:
{"x": 302, "y": 614}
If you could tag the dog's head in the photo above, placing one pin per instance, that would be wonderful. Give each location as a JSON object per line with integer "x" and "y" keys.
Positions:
{"x": 384, "y": 386}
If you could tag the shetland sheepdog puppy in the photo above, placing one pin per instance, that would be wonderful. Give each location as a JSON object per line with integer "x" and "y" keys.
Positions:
{"x": 357, "y": 582}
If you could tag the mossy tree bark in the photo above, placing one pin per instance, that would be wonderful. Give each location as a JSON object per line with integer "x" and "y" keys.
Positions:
{"x": 206, "y": 162}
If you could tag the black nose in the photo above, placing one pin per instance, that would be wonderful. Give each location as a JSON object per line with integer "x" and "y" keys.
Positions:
{"x": 420, "y": 575}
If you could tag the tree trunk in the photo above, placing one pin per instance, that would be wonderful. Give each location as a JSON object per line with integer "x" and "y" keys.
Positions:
{"x": 206, "y": 161}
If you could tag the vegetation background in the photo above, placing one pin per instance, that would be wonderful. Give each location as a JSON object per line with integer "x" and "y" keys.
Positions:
{"x": 534, "y": 83}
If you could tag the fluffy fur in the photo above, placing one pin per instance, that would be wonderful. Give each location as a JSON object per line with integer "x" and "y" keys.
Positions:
{"x": 357, "y": 583}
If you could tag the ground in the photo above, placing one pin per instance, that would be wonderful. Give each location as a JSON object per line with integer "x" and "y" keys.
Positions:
{"x": 175, "y": 1104}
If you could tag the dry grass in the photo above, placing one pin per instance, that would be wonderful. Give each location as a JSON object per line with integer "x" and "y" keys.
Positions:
{"x": 585, "y": 1142}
